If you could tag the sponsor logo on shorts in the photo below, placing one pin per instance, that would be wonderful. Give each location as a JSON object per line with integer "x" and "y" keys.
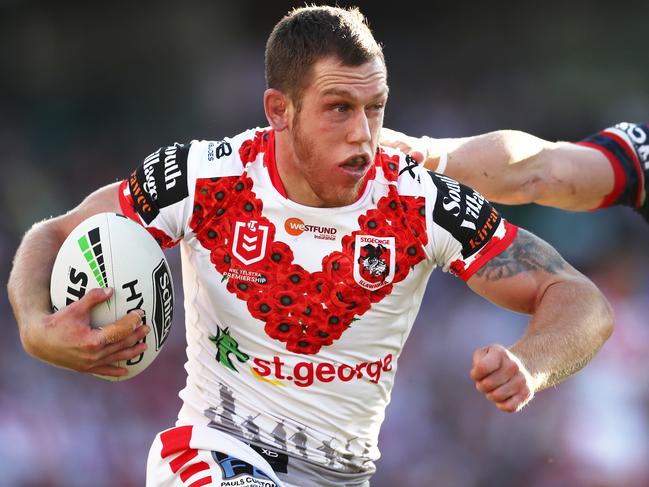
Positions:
{"x": 296, "y": 227}
{"x": 278, "y": 461}
{"x": 238, "y": 473}
{"x": 163, "y": 303}
{"x": 374, "y": 259}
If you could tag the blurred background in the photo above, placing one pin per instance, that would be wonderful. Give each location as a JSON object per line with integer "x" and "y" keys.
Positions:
{"x": 88, "y": 89}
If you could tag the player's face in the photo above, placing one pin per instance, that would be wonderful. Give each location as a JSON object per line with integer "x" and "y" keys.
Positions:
{"x": 335, "y": 133}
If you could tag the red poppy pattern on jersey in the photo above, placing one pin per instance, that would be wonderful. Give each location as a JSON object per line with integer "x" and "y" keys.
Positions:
{"x": 305, "y": 310}
{"x": 164, "y": 240}
{"x": 251, "y": 147}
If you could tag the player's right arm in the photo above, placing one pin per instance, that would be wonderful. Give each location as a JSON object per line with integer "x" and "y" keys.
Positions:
{"x": 65, "y": 338}
{"x": 570, "y": 319}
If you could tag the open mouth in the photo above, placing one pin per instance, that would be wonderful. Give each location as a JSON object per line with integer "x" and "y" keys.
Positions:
{"x": 356, "y": 165}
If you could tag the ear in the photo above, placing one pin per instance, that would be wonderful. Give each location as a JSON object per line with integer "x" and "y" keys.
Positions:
{"x": 276, "y": 106}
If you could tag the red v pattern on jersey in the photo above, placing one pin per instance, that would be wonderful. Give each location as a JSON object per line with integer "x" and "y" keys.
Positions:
{"x": 302, "y": 309}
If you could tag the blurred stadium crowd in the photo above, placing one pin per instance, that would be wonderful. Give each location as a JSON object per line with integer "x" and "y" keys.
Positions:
{"x": 88, "y": 90}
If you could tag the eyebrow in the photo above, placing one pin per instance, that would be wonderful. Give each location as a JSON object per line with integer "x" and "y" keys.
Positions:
{"x": 348, "y": 94}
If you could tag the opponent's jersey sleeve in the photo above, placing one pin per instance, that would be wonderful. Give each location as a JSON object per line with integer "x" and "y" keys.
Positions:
{"x": 159, "y": 193}
{"x": 466, "y": 230}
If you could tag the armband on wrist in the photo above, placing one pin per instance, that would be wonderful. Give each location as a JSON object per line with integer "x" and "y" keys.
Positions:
{"x": 626, "y": 145}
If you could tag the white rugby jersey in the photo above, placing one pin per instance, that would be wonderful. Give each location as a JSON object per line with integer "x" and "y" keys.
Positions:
{"x": 295, "y": 315}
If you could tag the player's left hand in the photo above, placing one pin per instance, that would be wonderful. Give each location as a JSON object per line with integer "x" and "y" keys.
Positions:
{"x": 502, "y": 378}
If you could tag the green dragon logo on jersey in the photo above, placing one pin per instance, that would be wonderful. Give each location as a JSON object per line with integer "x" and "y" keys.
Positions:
{"x": 226, "y": 345}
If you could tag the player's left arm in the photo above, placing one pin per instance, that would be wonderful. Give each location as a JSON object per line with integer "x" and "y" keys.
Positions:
{"x": 514, "y": 167}
{"x": 570, "y": 321}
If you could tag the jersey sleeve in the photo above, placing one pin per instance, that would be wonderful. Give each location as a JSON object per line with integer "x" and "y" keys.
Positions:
{"x": 159, "y": 193}
{"x": 466, "y": 230}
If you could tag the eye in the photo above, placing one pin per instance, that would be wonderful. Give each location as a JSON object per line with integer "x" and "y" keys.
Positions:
{"x": 340, "y": 108}
{"x": 377, "y": 106}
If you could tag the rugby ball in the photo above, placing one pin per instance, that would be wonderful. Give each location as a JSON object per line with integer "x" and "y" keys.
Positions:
{"x": 109, "y": 250}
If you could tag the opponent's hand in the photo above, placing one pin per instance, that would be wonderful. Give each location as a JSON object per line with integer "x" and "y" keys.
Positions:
{"x": 66, "y": 339}
{"x": 502, "y": 378}
{"x": 415, "y": 147}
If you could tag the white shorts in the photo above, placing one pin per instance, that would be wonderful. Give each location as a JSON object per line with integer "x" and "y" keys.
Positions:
{"x": 195, "y": 456}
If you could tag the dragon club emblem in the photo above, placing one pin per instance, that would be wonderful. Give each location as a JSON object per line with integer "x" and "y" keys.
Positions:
{"x": 374, "y": 261}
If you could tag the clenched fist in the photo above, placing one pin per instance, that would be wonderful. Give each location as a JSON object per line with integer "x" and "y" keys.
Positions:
{"x": 502, "y": 378}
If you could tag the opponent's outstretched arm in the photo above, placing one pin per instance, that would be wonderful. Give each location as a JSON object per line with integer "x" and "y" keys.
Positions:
{"x": 570, "y": 321}
{"x": 514, "y": 167}
{"x": 65, "y": 338}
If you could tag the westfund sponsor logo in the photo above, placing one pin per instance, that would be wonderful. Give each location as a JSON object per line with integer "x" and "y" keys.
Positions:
{"x": 296, "y": 227}
{"x": 163, "y": 303}
{"x": 160, "y": 181}
{"x": 464, "y": 213}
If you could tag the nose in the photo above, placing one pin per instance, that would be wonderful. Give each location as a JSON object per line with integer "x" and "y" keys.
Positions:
{"x": 359, "y": 132}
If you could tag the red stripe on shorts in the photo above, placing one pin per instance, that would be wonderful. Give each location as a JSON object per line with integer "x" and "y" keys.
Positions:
{"x": 183, "y": 459}
{"x": 201, "y": 482}
{"x": 175, "y": 440}
{"x": 192, "y": 469}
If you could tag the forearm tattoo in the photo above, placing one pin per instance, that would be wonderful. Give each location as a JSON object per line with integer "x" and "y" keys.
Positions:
{"x": 526, "y": 253}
